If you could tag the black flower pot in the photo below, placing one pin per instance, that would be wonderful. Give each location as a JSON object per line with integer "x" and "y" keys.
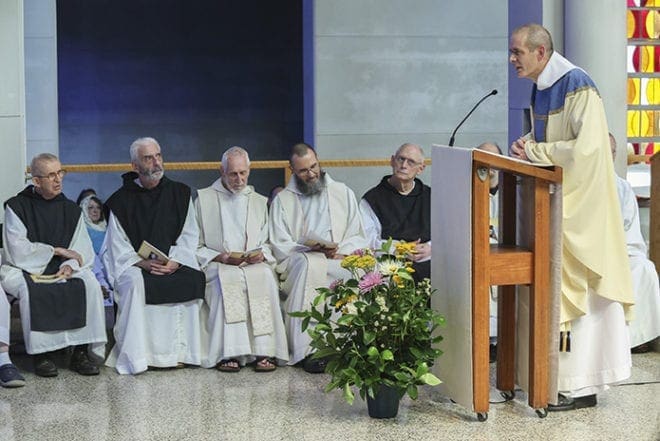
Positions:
{"x": 385, "y": 403}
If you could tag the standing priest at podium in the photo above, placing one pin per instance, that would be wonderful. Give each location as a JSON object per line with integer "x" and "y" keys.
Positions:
{"x": 569, "y": 129}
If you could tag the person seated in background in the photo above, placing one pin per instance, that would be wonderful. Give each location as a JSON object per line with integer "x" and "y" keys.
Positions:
{"x": 274, "y": 192}
{"x": 158, "y": 292}
{"x": 9, "y": 375}
{"x": 492, "y": 147}
{"x": 45, "y": 240}
{"x": 399, "y": 207}
{"x": 85, "y": 192}
{"x": 92, "y": 209}
{"x": 314, "y": 223}
{"x": 244, "y": 321}
{"x": 645, "y": 327}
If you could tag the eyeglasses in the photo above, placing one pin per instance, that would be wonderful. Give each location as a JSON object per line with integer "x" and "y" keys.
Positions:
{"x": 52, "y": 175}
{"x": 314, "y": 169}
{"x": 402, "y": 160}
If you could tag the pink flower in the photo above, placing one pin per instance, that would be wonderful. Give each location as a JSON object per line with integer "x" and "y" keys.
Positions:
{"x": 359, "y": 252}
{"x": 335, "y": 284}
{"x": 369, "y": 281}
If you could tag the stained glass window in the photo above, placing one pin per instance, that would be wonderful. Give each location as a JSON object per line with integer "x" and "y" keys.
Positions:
{"x": 644, "y": 75}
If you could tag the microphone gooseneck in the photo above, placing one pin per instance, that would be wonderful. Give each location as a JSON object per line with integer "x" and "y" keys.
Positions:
{"x": 491, "y": 93}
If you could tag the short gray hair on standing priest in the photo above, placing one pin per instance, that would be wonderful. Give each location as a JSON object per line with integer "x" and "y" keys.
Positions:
{"x": 409, "y": 144}
{"x": 537, "y": 36}
{"x": 35, "y": 164}
{"x": 141, "y": 142}
{"x": 234, "y": 151}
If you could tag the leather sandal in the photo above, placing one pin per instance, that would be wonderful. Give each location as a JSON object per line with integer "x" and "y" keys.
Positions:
{"x": 265, "y": 364}
{"x": 228, "y": 365}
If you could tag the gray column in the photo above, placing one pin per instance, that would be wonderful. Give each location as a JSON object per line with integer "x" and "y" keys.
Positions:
{"x": 595, "y": 39}
{"x": 12, "y": 99}
{"x": 41, "y": 115}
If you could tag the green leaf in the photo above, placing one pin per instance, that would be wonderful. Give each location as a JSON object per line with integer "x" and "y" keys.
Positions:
{"x": 305, "y": 323}
{"x": 387, "y": 355}
{"x": 412, "y": 391}
{"x": 372, "y": 352}
{"x": 369, "y": 336}
{"x": 325, "y": 352}
{"x": 345, "y": 319}
{"x": 430, "y": 379}
{"x": 348, "y": 394}
{"x": 318, "y": 299}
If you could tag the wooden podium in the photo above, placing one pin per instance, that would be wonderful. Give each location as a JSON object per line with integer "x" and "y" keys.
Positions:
{"x": 463, "y": 280}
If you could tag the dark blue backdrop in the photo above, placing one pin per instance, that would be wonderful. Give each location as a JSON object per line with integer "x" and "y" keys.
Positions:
{"x": 199, "y": 76}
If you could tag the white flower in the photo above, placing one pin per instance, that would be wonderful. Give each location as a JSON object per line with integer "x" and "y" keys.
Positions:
{"x": 389, "y": 267}
{"x": 351, "y": 309}
{"x": 376, "y": 323}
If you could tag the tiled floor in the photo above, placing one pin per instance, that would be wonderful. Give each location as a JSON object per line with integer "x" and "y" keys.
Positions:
{"x": 200, "y": 404}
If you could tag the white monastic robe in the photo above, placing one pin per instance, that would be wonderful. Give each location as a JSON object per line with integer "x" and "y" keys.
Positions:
{"x": 241, "y": 315}
{"x": 5, "y": 318}
{"x": 21, "y": 254}
{"x": 569, "y": 129}
{"x": 150, "y": 335}
{"x": 646, "y": 325}
{"x": 332, "y": 215}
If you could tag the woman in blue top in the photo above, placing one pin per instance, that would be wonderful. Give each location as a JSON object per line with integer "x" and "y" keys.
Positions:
{"x": 92, "y": 209}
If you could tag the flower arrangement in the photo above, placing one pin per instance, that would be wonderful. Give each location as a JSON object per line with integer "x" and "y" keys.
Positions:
{"x": 376, "y": 328}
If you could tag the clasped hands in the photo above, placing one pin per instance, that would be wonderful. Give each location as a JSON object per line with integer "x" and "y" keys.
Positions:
{"x": 154, "y": 266}
{"x": 422, "y": 251}
{"x": 330, "y": 253}
{"x": 517, "y": 149}
{"x": 65, "y": 270}
{"x": 228, "y": 260}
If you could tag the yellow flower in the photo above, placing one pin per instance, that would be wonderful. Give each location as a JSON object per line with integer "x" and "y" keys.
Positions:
{"x": 410, "y": 269}
{"x": 349, "y": 261}
{"x": 346, "y": 300}
{"x": 398, "y": 280}
{"x": 403, "y": 249}
{"x": 366, "y": 262}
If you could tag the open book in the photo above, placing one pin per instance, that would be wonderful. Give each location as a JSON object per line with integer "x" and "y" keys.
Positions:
{"x": 313, "y": 242}
{"x": 52, "y": 278}
{"x": 243, "y": 255}
{"x": 149, "y": 252}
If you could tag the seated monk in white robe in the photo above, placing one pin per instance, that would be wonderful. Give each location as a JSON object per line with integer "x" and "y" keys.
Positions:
{"x": 45, "y": 238}
{"x": 646, "y": 324}
{"x": 312, "y": 206}
{"x": 9, "y": 375}
{"x": 158, "y": 300}
{"x": 242, "y": 321}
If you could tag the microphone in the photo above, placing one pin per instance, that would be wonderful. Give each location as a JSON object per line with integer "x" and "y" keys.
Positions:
{"x": 451, "y": 140}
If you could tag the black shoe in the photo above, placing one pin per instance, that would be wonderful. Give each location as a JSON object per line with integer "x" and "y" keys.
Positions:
{"x": 81, "y": 363}
{"x": 585, "y": 401}
{"x": 492, "y": 353}
{"x": 44, "y": 366}
{"x": 568, "y": 403}
{"x": 314, "y": 365}
{"x": 640, "y": 349}
{"x": 10, "y": 377}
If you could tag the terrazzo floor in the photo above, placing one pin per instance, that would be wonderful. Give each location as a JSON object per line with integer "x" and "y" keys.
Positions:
{"x": 289, "y": 404}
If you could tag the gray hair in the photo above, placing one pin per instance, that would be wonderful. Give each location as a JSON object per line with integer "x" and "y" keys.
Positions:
{"x": 537, "y": 36}
{"x": 35, "y": 164}
{"x": 612, "y": 144}
{"x": 234, "y": 151}
{"x": 409, "y": 144}
{"x": 141, "y": 142}
{"x": 483, "y": 146}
